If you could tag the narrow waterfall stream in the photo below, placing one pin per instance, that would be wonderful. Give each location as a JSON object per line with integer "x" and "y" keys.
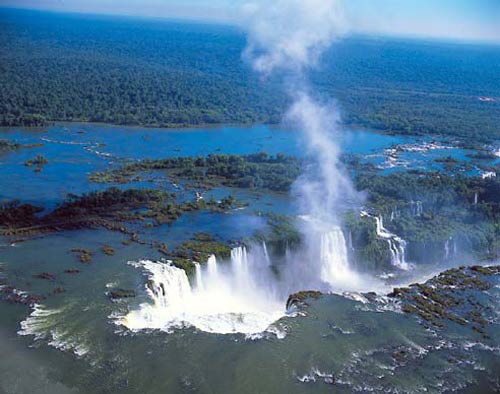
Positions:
{"x": 397, "y": 245}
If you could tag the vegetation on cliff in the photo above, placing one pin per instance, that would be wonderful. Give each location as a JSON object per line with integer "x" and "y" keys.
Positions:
{"x": 428, "y": 209}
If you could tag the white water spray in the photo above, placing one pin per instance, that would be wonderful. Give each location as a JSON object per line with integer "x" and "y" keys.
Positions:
{"x": 334, "y": 261}
{"x": 224, "y": 298}
{"x": 289, "y": 36}
{"x": 450, "y": 248}
{"x": 397, "y": 245}
{"x": 417, "y": 208}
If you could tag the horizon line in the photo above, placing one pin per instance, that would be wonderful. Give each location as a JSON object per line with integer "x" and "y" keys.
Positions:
{"x": 234, "y": 25}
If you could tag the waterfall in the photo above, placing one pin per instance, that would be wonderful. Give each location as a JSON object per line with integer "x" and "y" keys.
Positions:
{"x": 322, "y": 263}
{"x": 397, "y": 245}
{"x": 239, "y": 262}
{"x": 333, "y": 258}
{"x": 241, "y": 295}
{"x": 266, "y": 254}
{"x": 223, "y": 298}
{"x": 351, "y": 246}
{"x": 417, "y": 208}
{"x": 168, "y": 286}
{"x": 447, "y": 249}
{"x": 420, "y": 209}
{"x": 212, "y": 265}
{"x": 199, "y": 279}
{"x": 475, "y": 198}
{"x": 244, "y": 294}
{"x": 395, "y": 214}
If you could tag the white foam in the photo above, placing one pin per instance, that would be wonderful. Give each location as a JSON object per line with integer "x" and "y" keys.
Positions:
{"x": 220, "y": 301}
{"x": 397, "y": 245}
{"x": 42, "y": 323}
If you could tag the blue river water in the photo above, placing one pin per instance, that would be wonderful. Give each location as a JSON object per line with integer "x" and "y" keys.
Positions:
{"x": 71, "y": 344}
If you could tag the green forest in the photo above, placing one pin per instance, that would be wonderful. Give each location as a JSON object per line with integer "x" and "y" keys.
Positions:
{"x": 57, "y": 67}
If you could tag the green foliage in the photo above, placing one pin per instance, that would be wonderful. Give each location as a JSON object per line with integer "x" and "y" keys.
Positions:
{"x": 255, "y": 171}
{"x": 9, "y": 145}
{"x": 38, "y": 162}
{"x": 184, "y": 264}
{"x": 15, "y": 214}
{"x": 107, "y": 208}
{"x": 54, "y": 67}
{"x": 449, "y": 210}
{"x": 282, "y": 233}
{"x": 201, "y": 251}
{"x": 203, "y": 237}
{"x": 370, "y": 252}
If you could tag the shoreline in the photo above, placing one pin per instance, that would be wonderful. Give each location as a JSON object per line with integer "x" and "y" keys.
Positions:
{"x": 210, "y": 127}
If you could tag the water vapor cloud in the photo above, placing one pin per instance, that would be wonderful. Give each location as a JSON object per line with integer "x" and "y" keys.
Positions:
{"x": 291, "y": 34}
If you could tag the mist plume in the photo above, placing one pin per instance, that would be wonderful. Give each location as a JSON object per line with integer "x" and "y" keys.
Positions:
{"x": 289, "y": 37}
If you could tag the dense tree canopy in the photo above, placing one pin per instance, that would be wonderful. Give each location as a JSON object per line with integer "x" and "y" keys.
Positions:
{"x": 101, "y": 69}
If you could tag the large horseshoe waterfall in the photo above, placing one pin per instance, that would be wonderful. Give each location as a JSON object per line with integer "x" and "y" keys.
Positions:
{"x": 245, "y": 294}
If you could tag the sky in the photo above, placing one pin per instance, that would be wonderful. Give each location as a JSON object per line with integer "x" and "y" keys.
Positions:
{"x": 470, "y": 20}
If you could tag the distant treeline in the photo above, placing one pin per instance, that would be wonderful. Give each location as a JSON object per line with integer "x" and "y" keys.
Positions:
{"x": 56, "y": 67}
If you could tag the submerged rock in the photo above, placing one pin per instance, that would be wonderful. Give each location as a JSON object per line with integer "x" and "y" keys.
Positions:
{"x": 72, "y": 271}
{"x": 453, "y": 296}
{"x": 85, "y": 256}
{"x": 108, "y": 250}
{"x": 16, "y": 296}
{"x": 45, "y": 275}
{"x": 121, "y": 293}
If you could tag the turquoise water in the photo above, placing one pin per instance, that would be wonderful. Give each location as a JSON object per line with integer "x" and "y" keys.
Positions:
{"x": 73, "y": 344}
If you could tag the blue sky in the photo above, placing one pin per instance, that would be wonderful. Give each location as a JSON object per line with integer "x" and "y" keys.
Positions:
{"x": 450, "y": 19}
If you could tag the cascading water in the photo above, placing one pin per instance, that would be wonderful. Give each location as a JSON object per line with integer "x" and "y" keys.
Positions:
{"x": 322, "y": 261}
{"x": 224, "y": 298}
{"x": 450, "y": 248}
{"x": 243, "y": 295}
{"x": 397, "y": 245}
{"x": 335, "y": 267}
{"x": 212, "y": 266}
{"x": 417, "y": 208}
{"x": 351, "y": 245}
{"x": 447, "y": 249}
{"x": 266, "y": 254}
{"x": 199, "y": 278}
